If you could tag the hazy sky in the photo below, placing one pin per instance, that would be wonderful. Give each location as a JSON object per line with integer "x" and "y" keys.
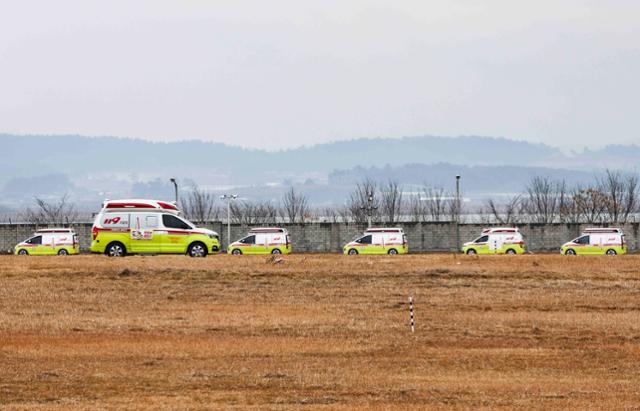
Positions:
{"x": 286, "y": 73}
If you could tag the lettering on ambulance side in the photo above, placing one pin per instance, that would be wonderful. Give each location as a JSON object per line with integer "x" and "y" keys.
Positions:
{"x": 118, "y": 223}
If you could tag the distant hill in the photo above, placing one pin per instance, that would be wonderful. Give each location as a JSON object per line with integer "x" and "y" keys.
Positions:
{"x": 91, "y": 169}
{"x": 73, "y": 154}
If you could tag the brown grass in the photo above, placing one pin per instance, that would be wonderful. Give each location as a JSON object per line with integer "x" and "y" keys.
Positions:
{"x": 319, "y": 332}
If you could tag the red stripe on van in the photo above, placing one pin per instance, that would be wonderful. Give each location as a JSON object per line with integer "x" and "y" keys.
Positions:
{"x": 167, "y": 206}
{"x": 129, "y": 205}
{"x": 176, "y": 232}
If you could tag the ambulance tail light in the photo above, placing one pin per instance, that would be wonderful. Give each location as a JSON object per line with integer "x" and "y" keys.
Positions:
{"x": 94, "y": 232}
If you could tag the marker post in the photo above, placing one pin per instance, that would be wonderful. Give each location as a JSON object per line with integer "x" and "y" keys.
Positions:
{"x": 411, "y": 314}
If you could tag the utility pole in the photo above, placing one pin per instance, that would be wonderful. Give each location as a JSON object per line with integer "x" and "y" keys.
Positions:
{"x": 228, "y": 198}
{"x": 369, "y": 208}
{"x": 458, "y": 213}
{"x": 175, "y": 186}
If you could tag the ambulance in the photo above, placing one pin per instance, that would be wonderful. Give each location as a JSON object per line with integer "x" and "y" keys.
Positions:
{"x": 267, "y": 240}
{"x": 608, "y": 241}
{"x": 379, "y": 241}
{"x": 499, "y": 240}
{"x": 50, "y": 241}
{"x": 148, "y": 227}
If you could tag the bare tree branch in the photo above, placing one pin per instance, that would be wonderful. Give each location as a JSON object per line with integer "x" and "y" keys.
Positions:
{"x": 358, "y": 201}
{"x": 199, "y": 206}
{"x": 391, "y": 202}
{"x": 295, "y": 206}
{"x": 58, "y": 213}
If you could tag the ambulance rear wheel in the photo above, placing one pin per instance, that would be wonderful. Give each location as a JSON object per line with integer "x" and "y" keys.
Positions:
{"x": 197, "y": 250}
{"x": 23, "y": 252}
{"x": 611, "y": 252}
{"x": 570, "y": 251}
{"x": 63, "y": 252}
{"x": 236, "y": 252}
{"x": 393, "y": 251}
{"x": 353, "y": 252}
{"x": 276, "y": 251}
{"x": 116, "y": 250}
{"x": 471, "y": 251}
{"x": 511, "y": 251}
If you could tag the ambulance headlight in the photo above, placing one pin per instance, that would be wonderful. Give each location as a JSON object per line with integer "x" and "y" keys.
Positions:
{"x": 213, "y": 236}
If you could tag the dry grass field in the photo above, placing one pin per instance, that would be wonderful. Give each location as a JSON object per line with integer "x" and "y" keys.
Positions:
{"x": 319, "y": 332}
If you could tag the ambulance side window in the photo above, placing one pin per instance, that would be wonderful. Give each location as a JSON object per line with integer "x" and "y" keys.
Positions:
{"x": 249, "y": 240}
{"x": 583, "y": 240}
{"x": 151, "y": 221}
{"x": 482, "y": 239}
{"x": 170, "y": 221}
{"x": 364, "y": 240}
{"x": 35, "y": 240}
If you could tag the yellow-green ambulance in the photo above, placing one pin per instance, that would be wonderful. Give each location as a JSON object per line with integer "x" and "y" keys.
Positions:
{"x": 50, "y": 241}
{"x": 148, "y": 227}
{"x": 498, "y": 240}
{"x": 595, "y": 241}
{"x": 378, "y": 241}
{"x": 266, "y": 240}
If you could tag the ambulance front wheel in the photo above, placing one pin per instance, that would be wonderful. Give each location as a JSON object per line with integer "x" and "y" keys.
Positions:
{"x": 511, "y": 251}
{"x": 63, "y": 252}
{"x": 236, "y": 251}
{"x": 197, "y": 250}
{"x": 393, "y": 251}
{"x": 276, "y": 251}
{"x": 116, "y": 250}
{"x": 611, "y": 252}
{"x": 353, "y": 252}
{"x": 23, "y": 252}
{"x": 570, "y": 251}
{"x": 471, "y": 251}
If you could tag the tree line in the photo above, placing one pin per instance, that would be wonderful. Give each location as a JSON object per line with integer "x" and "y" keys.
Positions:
{"x": 613, "y": 197}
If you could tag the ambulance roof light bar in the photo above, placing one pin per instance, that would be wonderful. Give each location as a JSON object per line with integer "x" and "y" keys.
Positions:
{"x": 603, "y": 230}
{"x": 140, "y": 205}
{"x": 261, "y": 230}
{"x": 384, "y": 230}
{"x": 497, "y": 230}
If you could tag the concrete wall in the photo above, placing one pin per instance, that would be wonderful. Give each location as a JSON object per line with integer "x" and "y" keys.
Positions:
{"x": 330, "y": 237}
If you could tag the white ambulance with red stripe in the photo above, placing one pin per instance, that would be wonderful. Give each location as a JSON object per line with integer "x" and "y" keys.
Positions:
{"x": 50, "y": 241}
{"x": 497, "y": 240}
{"x": 381, "y": 240}
{"x": 139, "y": 226}
{"x": 597, "y": 240}
{"x": 263, "y": 240}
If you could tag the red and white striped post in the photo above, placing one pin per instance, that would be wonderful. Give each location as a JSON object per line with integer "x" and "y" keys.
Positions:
{"x": 411, "y": 314}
